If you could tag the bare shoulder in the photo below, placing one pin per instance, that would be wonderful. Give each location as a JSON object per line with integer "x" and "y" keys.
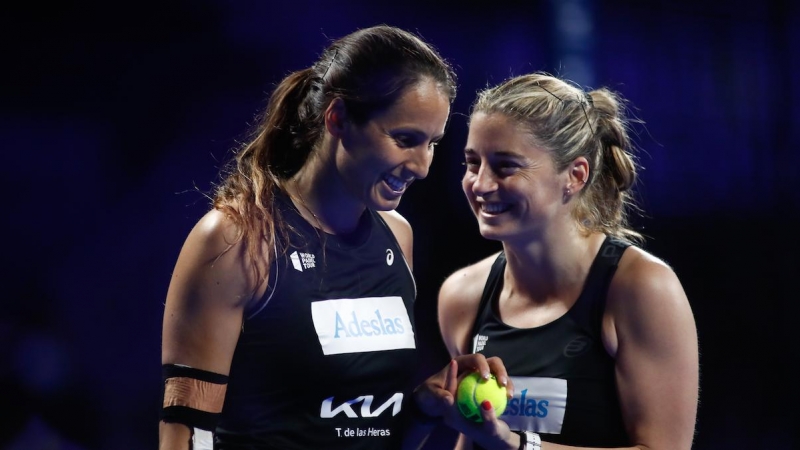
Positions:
{"x": 646, "y": 300}
{"x": 459, "y": 297}
{"x": 214, "y": 256}
{"x": 641, "y": 275}
{"x": 396, "y": 221}
{"x": 214, "y": 233}
{"x": 467, "y": 283}
{"x": 650, "y": 331}
{"x": 210, "y": 286}
{"x": 393, "y": 216}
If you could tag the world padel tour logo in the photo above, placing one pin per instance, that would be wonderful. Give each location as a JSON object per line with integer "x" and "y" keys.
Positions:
{"x": 362, "y": 325}
{"x": 302, "y": 260}
{"x": 479, "y": 342}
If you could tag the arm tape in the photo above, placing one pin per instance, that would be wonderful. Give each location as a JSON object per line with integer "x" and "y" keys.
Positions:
{"x": 193, "y": 397}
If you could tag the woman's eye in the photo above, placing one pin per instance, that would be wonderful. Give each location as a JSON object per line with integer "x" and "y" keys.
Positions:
{"x": 405, "y": 141}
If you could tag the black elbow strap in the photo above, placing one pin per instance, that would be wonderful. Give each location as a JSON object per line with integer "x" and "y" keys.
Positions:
{"x": 190, "y": 396}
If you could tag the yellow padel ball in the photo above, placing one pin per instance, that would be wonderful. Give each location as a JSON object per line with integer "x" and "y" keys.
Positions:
{"x": 474, "y": 390}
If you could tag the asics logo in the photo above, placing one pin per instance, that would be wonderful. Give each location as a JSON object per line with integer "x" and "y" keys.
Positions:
{"x": 389, "y": 257}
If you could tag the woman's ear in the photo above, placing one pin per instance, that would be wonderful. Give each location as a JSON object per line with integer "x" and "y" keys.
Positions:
{"x": 578, "y": 174}
{"x": 336, "y": 117}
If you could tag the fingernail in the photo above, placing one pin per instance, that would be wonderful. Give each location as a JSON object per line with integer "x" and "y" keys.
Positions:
{"x": 504, "y": 381}
{"x": 486, "y": 405}
{"x": 486, "y": 375}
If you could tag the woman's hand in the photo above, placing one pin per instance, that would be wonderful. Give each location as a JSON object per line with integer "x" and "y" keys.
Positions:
{"x": 436, "y": 397}
{"x": 491, "y": 434}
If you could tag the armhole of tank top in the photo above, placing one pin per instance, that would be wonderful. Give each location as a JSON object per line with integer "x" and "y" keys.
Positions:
{"x": 611, "y": 262}
{"x": 589, "y": 309}
{"x": 393, "y": 238}
{"x": 271, "y": 286}
{"x": 489, "y": 288}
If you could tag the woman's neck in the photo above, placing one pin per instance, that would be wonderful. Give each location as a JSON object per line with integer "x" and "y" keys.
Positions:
{"x": 319, "y": 194}
{"x": 553, "y": 267}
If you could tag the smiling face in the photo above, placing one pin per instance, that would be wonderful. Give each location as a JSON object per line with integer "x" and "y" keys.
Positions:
{"x": 511, "y": 183}
{"x": 380, "y": 158}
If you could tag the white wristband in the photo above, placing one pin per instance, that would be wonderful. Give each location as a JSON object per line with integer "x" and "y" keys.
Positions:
{"x": 532, "y": 440}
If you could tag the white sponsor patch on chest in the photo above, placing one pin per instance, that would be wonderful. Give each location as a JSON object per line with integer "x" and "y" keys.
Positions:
{"x": 362, "y": 325}
{"x": 538, "y": 405}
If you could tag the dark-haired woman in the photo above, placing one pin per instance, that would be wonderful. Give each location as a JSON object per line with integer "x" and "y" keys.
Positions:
{"x": 289, "y": 321}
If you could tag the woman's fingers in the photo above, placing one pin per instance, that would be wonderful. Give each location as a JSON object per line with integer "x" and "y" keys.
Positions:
{"x": 499, "y": 370}
{"x": 451, "y": 380}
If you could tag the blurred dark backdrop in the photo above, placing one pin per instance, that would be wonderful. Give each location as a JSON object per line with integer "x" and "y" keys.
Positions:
{"x": 115, "y": 117}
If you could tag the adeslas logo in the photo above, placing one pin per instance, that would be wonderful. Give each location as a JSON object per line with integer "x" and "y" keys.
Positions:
{"x": 539, "y": 404}
{"x": 372, "y": 325}
{"x": 525, "y": 406}
{"x": 365, "y": 324}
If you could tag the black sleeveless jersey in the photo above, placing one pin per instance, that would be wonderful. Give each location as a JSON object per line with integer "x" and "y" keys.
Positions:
{"x": 326, "y": 358}
{"x": 564, "y": 381}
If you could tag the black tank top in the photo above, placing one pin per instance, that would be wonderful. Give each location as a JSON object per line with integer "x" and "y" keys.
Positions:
{"x": 326, "y": 358}
{"x": 563, "y": 377}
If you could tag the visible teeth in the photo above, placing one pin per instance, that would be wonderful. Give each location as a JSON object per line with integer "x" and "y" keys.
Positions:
{"x": 494, "y": 208}
{"x": 397, "y": 184}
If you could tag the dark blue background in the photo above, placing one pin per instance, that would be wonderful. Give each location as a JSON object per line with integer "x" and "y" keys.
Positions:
{"x": 115, "y": 117}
